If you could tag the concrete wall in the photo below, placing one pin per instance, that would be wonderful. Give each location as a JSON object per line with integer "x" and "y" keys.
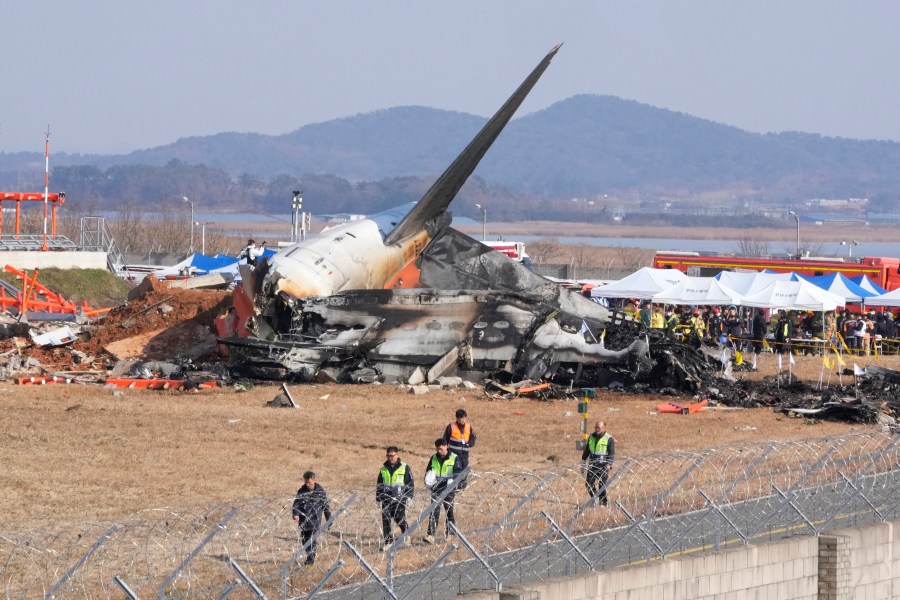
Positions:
{"x": 63, "y": 259}
{"x": 852, "y": 564}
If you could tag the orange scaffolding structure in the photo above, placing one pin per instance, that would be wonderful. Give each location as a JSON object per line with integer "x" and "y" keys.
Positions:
{"x": 56, "y": 201}
{"x": 36, "y": 297}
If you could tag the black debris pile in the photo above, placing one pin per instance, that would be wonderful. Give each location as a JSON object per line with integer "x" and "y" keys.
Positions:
{"x": 866, "y": 399}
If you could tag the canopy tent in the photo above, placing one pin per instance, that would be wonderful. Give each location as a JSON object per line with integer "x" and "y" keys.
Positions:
{"x": 747, "y": 283}
{"x": 839, "y": 284}
{"x": 698, "y": 291}
{"x": 865, "y": 283}
{"x": 886, "y": 299}
{"x": 642, "y": 284}
{"x": 793, "y": 295}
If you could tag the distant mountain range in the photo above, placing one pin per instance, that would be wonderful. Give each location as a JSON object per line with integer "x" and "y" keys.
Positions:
{"x": 585, "y": 146}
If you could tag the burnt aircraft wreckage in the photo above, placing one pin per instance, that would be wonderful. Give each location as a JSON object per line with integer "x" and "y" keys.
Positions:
{"x": 401, "y": 296}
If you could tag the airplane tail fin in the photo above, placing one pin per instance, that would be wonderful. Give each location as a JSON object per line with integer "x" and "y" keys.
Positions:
{"x": 438, "y": 197}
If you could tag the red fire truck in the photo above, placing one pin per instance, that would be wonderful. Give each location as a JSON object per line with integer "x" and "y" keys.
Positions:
{"x": 882, "y": 271}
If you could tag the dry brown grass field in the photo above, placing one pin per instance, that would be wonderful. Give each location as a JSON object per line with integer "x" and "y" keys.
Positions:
{"x": 75, "y": 454}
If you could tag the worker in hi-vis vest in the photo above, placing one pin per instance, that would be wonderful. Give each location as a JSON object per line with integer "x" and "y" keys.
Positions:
{"x": 460, "y": 437}
{"x": 393, "y": 491}
{"x": 443, "y": 468}
{"x": 598, "y": 455}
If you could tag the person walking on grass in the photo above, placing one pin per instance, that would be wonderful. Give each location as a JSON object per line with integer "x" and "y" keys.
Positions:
{"x": 310, "y": 504}
{"x": 443, "y": 467}
{"x": 598, "y": 455}
{"x": 393, "y": 491}
{"x": 460, "y": 437}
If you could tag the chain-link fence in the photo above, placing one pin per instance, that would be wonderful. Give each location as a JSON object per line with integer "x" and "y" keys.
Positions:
{"x": 514, "y": 527}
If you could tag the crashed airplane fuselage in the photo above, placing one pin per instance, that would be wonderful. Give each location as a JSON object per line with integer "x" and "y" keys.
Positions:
{"x": 403, "y": 296}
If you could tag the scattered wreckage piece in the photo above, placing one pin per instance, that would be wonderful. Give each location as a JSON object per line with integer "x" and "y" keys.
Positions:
{"x": 682, "y": 409}
{"x": 495, "y": 390}
{"x": 160, "y": 384}
{"x": 849, "y": 409}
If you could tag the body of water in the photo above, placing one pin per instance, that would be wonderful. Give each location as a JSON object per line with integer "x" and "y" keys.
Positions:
{"x": 884, "y": 249}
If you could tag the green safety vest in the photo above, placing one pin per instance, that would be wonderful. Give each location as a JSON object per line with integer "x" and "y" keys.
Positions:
{"x": 395, "y": 479}
{"x": 443, "y": 471}
{"x": 598, "y": 446}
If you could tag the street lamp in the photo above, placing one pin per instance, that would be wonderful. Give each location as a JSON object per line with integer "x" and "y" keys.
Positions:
{"x": 203, "y": 225}
{"x": 850, "y": 245}
{"x": 796, "y": 216}
{"x": 185, "y": 198}
{"x": 483, "y": 222}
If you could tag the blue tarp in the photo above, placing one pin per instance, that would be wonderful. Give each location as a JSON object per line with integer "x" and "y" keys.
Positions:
{"x": 207, "y": 264}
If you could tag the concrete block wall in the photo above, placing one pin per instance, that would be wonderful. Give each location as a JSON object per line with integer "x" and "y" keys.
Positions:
{"x": 22, "y": 259}
{"x": 850, "y": 564}
{"x": 786, "y": 570}
{"x": 874, "y": 561}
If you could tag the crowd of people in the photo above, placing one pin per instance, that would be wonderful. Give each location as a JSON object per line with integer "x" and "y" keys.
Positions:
{"x": 752, "y": 329}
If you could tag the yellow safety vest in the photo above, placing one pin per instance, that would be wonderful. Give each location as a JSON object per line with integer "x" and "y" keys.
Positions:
{"x": 598, "y": 446}
{"x": 395, "y": 479}
{"x": 443, "y": 471}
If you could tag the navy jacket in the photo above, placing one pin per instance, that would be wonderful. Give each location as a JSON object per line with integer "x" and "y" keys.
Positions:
{"x": 310, "y": 505}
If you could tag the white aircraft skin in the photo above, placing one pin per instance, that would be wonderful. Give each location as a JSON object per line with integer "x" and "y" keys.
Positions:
{"x": 369, "y": 253}
{"x": 351, "y": 256}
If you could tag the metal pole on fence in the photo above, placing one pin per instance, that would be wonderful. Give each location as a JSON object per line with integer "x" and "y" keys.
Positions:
{"x": 192, "y": 555}
{"x": 568, "y": 539}
{"x": 246, "y": 579}
{"x": 229, "y": 588}
{"x": 370, "y": 570}
{"x": 722, "y": 514}
{"x": 790, "y": 502}
{"x": 285, "y": 569}
{"x": 124, "y": 587}
{"x": 453, "y": 548}
{"x": 80, "y": 562}
{"x": 477, "y": 556}
{"x": 334, "y": 569}
{"x": 639, "y": 524}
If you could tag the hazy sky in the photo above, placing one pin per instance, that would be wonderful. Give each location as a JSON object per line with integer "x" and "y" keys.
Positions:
{"x": 113, "y": 76}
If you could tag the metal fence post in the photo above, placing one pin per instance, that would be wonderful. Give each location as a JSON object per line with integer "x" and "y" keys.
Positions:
{"x": 124, "y": 587}
{"x": 80, "y": 562}
{"x": 477, "y": 556}
{"x": 334, "y": 569}
{"x": 722, "y": 514}
{"x": 192, "y": 555}
{"x": 246, "y": 579}
{"x": 435, "y": 565}
{"x": 568, "y": 539}
{"x": 370, "y": 570}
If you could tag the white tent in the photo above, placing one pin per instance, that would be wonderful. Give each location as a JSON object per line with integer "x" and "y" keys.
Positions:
{"x": 747, "y": 283}
{"x": 641, "y": 284}
{"x": 889, "y": 299}
{"x": 837, "y": 283}
{"x": 793, "y": 295}
{"x": 698, "y": 291}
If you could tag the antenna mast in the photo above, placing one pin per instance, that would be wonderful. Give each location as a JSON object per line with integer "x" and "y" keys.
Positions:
{"x": 46, "y": 182}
